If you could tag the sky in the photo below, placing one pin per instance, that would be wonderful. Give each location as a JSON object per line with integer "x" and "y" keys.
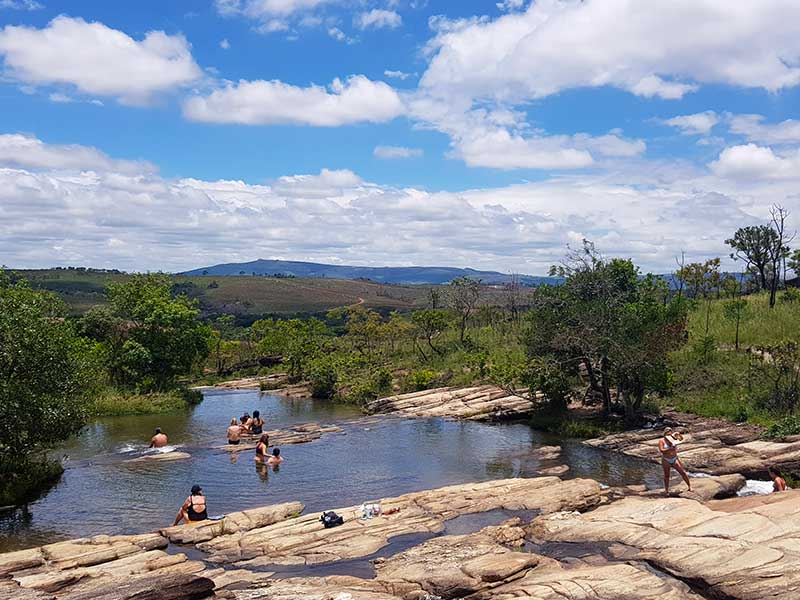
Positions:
{"x": 157, "y": 135}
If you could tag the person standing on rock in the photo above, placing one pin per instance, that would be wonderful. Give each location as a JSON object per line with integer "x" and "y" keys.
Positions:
{"x": 159, "y": 440}
{"x": 778, "y": 482}
{"x": 668, "y": 445}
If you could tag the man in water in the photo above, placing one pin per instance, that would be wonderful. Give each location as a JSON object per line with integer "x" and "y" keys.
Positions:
{"x": 276, "y": 457}
{"x": 159, "y": 440}
{"x": 668, "y": 445}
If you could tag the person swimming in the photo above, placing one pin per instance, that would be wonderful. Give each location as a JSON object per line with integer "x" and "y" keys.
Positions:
{"x": 256, "y": 423}
{"x": 234, "y": 431}
{"x": 159, "y": 440}
{"x": 261, "y": 448}
{"x": 668, "y": 446}
{"x": 276, "y": 457}
{"x": 194, "y": 508}
{"x": 778, "y": 482}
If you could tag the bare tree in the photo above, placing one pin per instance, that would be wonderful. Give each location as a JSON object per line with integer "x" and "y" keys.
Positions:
{"x": 463, "y": 294}
{"x": 512, "y": 297}
{"x": 779, "y": 249}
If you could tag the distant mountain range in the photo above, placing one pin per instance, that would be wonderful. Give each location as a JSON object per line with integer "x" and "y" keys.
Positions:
{"x": 399, "y": 275}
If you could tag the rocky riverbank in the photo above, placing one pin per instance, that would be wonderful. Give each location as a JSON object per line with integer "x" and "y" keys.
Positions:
{"x": 550, "y": 539}
{"x": 710, "y": 446}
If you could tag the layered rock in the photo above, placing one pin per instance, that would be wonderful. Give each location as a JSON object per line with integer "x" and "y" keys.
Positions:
{"x": 479, "y": 403}
{"x": 713, "y": 447}
{"x": 746, "y": 549}
{"x": 298, "y": 434}
{"x": 305, "y": 541}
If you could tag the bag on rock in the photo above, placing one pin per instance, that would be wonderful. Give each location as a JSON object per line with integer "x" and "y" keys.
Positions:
{"x": 331, "y": 519}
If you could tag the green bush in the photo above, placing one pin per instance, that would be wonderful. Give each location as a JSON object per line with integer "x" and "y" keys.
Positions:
{"x": 787, "y": 426}
{"x": 322, "y": 376}
{"x": 27, "y": 480}
{"x": 375, "y": 385}
{"x": 113, "y": 402}
{"x": 790, "y": 296}
{"x": 421, "y": 379}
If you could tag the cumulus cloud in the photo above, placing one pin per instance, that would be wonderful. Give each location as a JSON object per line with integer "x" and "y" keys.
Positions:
{"x": 272, "y": 15}
{"x": 755, "y": 129}
{"x": 97, "y": 59}
{"x": 378, "y": 19}
{"x": 28, "y": 152}
{"x": 354, "y": 100}
{"x": 393, "y": 152}
{"x": 402, "y": 75}
{"x": 750, "y": 161}
{"x": 696, "y": 124}
{"x": 57, "y": 212}
{"x": 661, "y": 48}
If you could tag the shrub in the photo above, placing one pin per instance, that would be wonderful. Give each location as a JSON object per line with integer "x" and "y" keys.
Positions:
{"x": 790, "y": 296}
{"x": 375, "y": 385}
{"x": 321, "y": 373}
{"x": 787, "y": 426}
{"x": 421, "y": 379}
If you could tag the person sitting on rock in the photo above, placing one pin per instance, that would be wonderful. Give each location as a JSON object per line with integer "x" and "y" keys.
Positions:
{"x": 159, "y": 440}
{"x": 256, "y": 423}
{"x": 245, "y": 423}
{"x": 261, "y": 448}
{"x": 668, "y": 445}
{"x": 778, "y": 482}
{"x": 194, "y": 509}
{"x": 276, "y": 457}
{"x": 234, "y": 431}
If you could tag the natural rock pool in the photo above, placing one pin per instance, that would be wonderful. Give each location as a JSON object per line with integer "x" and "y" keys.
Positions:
{"x": 102, "y": 492}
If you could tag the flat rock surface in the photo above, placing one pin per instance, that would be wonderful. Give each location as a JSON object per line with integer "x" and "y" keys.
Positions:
{"x": 742, "y": 548}
{"x": 479, "y": 403}
{"x": 298, "y": 434}
{"x": 710, "y": 446}
{"x": 305, "y": 541}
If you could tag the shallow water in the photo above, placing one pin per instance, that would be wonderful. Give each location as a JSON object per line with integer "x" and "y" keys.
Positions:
{"x": 102, "y": 493}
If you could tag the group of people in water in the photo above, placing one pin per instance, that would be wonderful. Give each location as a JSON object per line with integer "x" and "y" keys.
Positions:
{"x": 668, "y": 446}
{"x": 194, "y": 508}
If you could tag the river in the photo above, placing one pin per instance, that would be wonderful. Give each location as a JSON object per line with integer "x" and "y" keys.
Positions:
{"x": 102, "y": 493}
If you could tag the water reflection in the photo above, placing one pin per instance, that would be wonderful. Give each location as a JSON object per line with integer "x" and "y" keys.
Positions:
{"x": 102, "y": 491}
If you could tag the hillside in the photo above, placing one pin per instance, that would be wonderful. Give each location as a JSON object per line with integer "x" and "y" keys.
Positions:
{"x": 396, "y": 275}
{"x": 248, "y": 297}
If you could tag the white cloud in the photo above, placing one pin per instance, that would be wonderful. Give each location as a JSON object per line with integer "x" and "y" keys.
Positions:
{"x": 393, "y": 152}
{"x": 510, "y": 5}
{"x": 21, "y": 5}
{"x": 340, "y": 36}
{"x": 696, "y": 124}
{"x": 354, "y": 100}
{"x": 61, "y": 98}
{"x": 755, "y": 130}
{"x": 225, "y": 44}
{"x": 104, "y": 217}
{"x": 401, "y": 75}
{"x": 273, "y": 15}
{"x": 28, "y": 152}
{"x": 378, "y": 19}
{"x": 98, "y": 60}
{"x": 659, "y": 48}
{"x": 752, "y": 162}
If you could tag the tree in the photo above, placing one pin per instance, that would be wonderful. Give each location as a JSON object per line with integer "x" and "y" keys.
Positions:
{"x": 44, "y": 370}
{"x": 296, "y": 340}
{"x": 431, "y": 322}
{"x": 513, "y": 297}
{"x": 463, "y": 294}
{"x": 159, "y": 337}
{"x": 780, "y": 250}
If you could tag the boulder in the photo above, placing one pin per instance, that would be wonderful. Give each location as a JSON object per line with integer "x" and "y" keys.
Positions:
{"x": 741, "y": 548}
{"x": 478, "y": 403}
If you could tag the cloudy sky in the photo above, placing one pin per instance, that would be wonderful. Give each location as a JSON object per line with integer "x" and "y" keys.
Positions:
{"x": 171, "y": 135}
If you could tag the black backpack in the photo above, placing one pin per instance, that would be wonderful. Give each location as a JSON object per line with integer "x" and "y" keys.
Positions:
{"x": 331, "y": 519}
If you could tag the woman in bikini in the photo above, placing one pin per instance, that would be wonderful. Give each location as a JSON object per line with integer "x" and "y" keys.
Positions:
{"x": 194, "y": 509}
{"x": 778, "y": 482}
{"x": 256, "y": 424}
{"x": 669, "y": 457}
{"x": 261, "y": 448}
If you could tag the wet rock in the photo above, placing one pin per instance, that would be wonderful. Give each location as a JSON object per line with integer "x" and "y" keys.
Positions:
{"x": 703, "y": 488}
{"x": 304, "y": 540}
{"x": 742, "y": 548}
{"x": 299, "y": 434}
{"x": 480, "y": 403}
{"x": 233, "y": 523}
{"x": 710, "y": 446}
{"x": 558, "y": 470}
{"x": 161, "y": 457}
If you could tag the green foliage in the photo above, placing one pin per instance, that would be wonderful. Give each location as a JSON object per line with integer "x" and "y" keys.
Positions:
{"x": 430, "y": 324}
{"x": 790, "y": 296}
{"x": 150, "y": 337}
{"x": 756, "y": 245}
{"x": 780, "y": 365}
{"x": 374, "y": 385}
{"x": 26, "y": 480}
{"x": 115, "y": 402}
{"x": 322, "y": 375}
{"x": 421, "y": 379}
{"x": 462, "y": 295}
{"x": 787, "y": 426}
{"x": 704, "y": 349}
{"x": 296, "y": 340}
{"x": 44, "y": 367}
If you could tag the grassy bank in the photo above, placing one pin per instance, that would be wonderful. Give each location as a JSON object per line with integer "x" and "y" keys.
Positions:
{"x": 114, "y": 402}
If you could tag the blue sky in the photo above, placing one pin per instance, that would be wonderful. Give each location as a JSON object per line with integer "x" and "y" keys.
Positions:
{"x": 488, "y": 134}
